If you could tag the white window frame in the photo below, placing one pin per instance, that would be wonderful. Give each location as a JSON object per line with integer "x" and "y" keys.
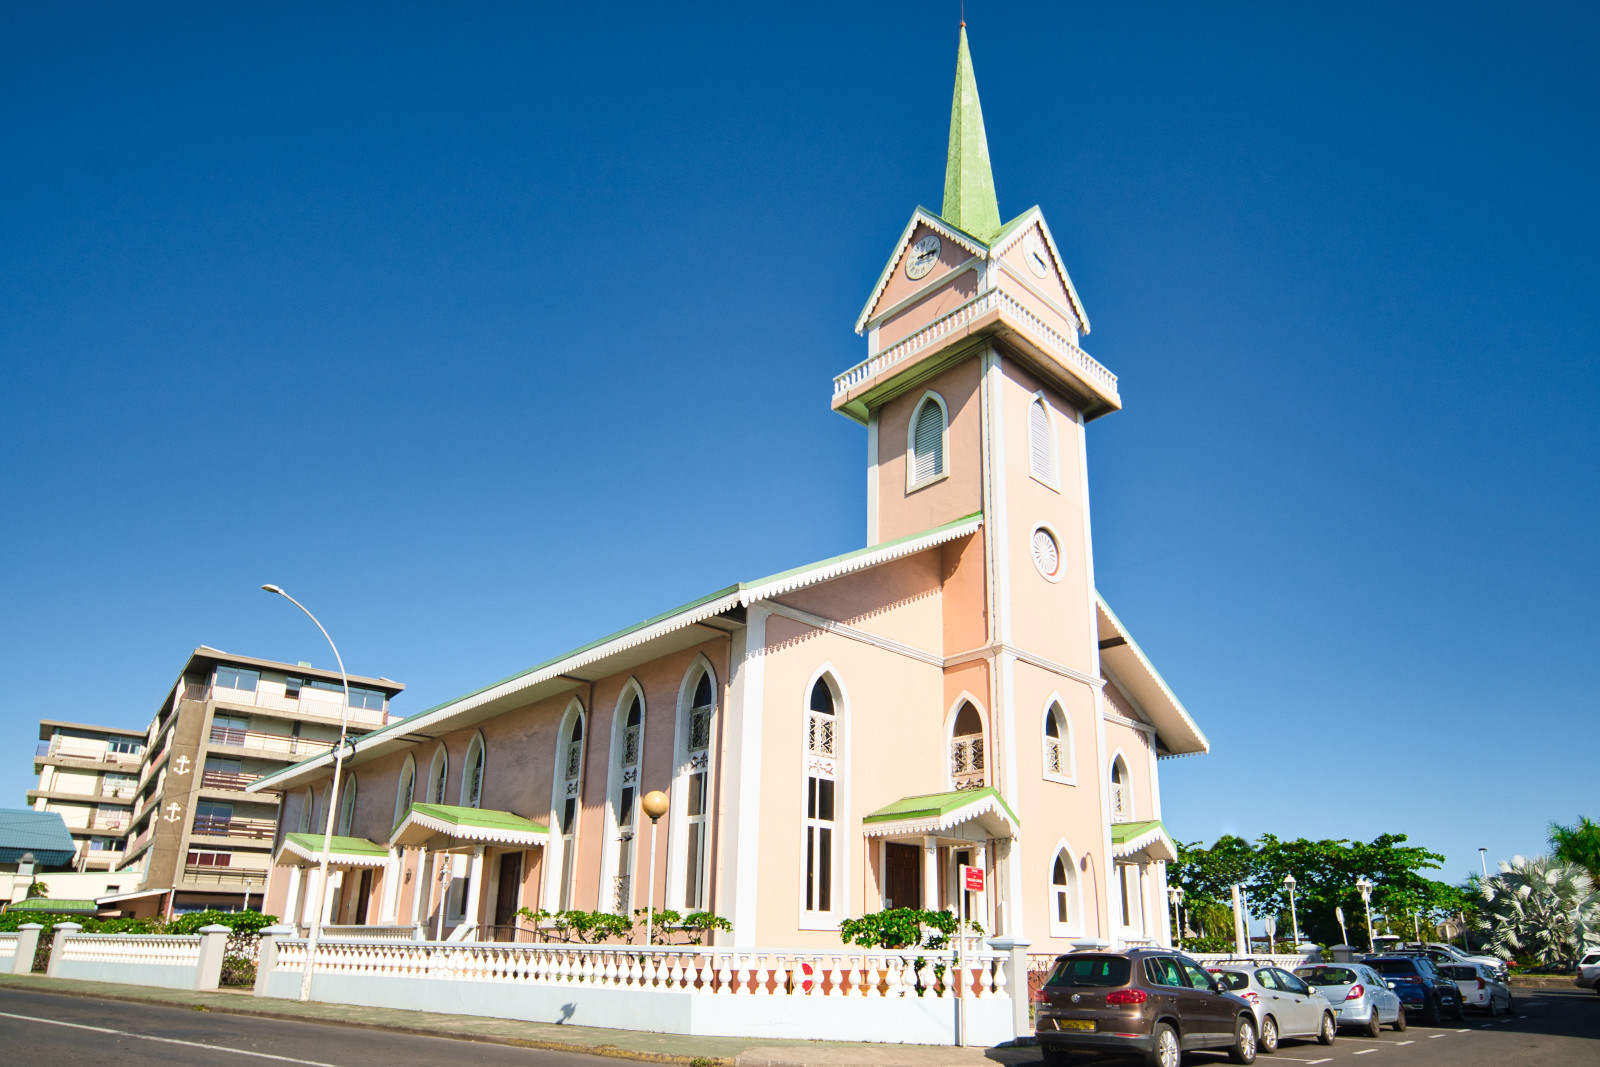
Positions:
{"x": 833, "y": 767}
{"x": 912, "y": 482}
{"x": 687, "y": 762}
{"x": 1068, "y": 761}
{"x": 1134, "y": 894}
{"x": 347, "y": 805}
{"x": 405, "y": 791}
{"x": 560, "y": 876}
{"x": 966, "y": 697}
{"x": 478, "y": 748}
{"x": 1073, "y": 927}
{"x": 1127, "y": 812}
{"x": 615, "y": 854}
{"x": 255, "y": 678}
{"x": 438, "y": 776}
{"x": 1050, "y": 480}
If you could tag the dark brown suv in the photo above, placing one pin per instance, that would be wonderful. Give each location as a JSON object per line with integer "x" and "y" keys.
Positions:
{"x": 1152, "y": 1001}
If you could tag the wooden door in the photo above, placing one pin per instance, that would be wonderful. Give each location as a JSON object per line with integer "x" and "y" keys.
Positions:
{"x": 505, "y": 900}
{"x": 902, "y": 876}
{"x": 363, "y": 895}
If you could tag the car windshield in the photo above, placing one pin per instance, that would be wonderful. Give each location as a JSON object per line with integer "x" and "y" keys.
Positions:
{"x": 1232, "y": 979}
{"x": 1406, "y": 968}
{"x": 1091, "y": 970}
{"x": 1460, "y": 972}
{"x": 1327, "y": 975}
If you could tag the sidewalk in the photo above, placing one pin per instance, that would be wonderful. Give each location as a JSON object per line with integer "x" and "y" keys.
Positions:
{"x": 622, "y": 1044}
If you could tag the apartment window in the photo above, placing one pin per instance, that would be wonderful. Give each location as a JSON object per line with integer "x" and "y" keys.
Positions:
{"x": 820, "y": 799}
{"x": 237, "y": 678}
{"x": 102, "y": 844}
{"x": 1041, "y": 442}
{"x": 472, "y": 775}
{"x": 199, "y": 857}
{"x": 347, "y": 806}
{"x": 291, "y": 688}
{"x": 229, "y": 729}
{"x": 125, "y": 748}
{"x": 927, "y": 444}
{"x": 403, "y": 792}
{"x": 1058, "y": 754}
{"x": 571, "y": 777}
{"x": 211, "y": 817}
{"x": 119, "y": 785}
{"x": 371, "y": 699}
{"x": 966, "y": 749}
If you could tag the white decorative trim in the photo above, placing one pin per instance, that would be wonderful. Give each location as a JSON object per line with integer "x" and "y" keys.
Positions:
{"x": 610, "y": 844}
{"x": 335, "y": 858}
{"x": 482, "y": 834}
{"x": 937, "y": 225}
{"x": 1135, "y": 845}
{"x": 987, "y": 806}
{"x": 832, "y": 627}
{"x": 743, "y": 741}
{"x": 912, "y": 485}
{"x": 872, "y": 477}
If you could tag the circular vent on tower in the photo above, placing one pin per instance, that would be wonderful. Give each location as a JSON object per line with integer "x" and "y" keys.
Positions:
{"x": 1046, "y": 554}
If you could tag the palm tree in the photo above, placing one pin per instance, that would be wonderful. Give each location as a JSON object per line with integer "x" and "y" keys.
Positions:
{"x": 1541, "y": 908}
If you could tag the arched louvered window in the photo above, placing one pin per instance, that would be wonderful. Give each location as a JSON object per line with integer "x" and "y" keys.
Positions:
{"x": 347, "y": 806}
{"x": 472, "y": 775}
{"x": 1041, "y": 442}
{"x": 966, "y": 749}
{"x": 404, "y": 791}
{"x": 437, "y": 773}
{"x": 927, "y": 460}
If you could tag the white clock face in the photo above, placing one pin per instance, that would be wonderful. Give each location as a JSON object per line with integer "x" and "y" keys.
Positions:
{"x": 1033, "y": 251}
{"x": 924, "y": 254}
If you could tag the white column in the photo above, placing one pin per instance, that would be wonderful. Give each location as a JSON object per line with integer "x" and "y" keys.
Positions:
{"x": 391, "y": 886}
{"x": 293, "y": 900}
{"x": 419, "y": 889}
{"x": 474, "y": 888}
{"x": 980, "y": 903}
{"x": 930, "y": 874}
{"x": 740, "y": 804}
{"x": 313, "y": 895}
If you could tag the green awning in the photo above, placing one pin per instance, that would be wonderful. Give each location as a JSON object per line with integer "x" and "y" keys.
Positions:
{"x": 1143, "y": 840}
{"x": 56, "y": 907}
{"x": 933, "y": 813}
{"x": 424, "y": 822}
{"x": 299, "y": 850}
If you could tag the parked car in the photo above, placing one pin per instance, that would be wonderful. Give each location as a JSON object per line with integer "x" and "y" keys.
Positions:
{"x": 1480, "y": 987}
{"x": 1419, "y": 985}
{"x": 1589, "y": 971}
{"x": 1441, "y": 952}
{"x": 1285, "y": 1005}
{"x": 1360, "y": 996}
{"x": 1155, "y": 1002}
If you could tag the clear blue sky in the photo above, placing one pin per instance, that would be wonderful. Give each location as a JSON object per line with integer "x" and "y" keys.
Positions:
{"x": 488, "y": 329}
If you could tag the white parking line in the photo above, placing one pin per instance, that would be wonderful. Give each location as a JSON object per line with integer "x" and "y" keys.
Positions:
{"x": 1405, "y": 1042}
{"x": 1432, "y": 1036}
{"x": 1363, "y": 1052}
{"x": 166, "y": 1040}
{"x": 1325, "y": 1059}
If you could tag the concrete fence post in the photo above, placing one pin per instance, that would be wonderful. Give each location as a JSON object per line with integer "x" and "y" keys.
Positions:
{"x": 61, "y": 932}
{"x": 267, "y": 954}
{"x": 1016, "y": 967}
{"x": 213, "y": 943}
{"x": 27, "y": 948}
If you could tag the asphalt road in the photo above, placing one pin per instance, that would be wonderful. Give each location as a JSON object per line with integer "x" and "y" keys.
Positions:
{"x": 45, "y": 1030}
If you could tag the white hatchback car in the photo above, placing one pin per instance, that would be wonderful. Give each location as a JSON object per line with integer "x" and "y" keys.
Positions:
{"x": 1359, "y": 995}
{"x": 1589, "y": 970}
{"x": 1284, "y": 1005}
{"x": 1480, "y": 987}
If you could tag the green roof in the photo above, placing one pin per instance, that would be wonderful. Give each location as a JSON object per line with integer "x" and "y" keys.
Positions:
{"x": 344, "y": 846}
{"x": 59, "y": 906}
{"x": 1127, "y": 831}
{"x": 969, "y": 199}
{"x": 482, "y": 818}
{"x": 934, "y": 805}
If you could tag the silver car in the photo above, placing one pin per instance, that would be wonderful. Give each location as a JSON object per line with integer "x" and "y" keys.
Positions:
{"x": 1480, "y": 987}
{"x": 1359, "y": 994}
{"x": 1284, "y": 1005}
{"x": 1589, "y": 971}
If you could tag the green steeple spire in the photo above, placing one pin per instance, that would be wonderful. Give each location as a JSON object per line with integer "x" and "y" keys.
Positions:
{"x": 969, "y": 200}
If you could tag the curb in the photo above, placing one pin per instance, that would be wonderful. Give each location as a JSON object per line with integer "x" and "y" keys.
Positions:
{"x": 611, "y": 1051}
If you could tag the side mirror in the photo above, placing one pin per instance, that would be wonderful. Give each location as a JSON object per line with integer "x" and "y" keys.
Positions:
{"x": 1218, "y": 986}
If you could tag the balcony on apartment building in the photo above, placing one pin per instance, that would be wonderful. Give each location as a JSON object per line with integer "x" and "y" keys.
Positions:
{"x": 308, "y": 700}
{"x": 65, "y": 751}
{"x": 211, "y": 823}
{"x": 261, "y": 743}
{"x": 209, "y": 868}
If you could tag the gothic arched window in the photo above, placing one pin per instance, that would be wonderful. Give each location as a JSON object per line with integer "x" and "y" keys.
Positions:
{"x": 966, "y": 749}
{"x": 1041, "y": 442}
{"x": 472, "y": 774}
{"x": 925, "y": 460}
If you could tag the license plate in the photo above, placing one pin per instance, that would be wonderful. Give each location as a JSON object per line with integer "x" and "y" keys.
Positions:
{"x": 1075, "y": 1024}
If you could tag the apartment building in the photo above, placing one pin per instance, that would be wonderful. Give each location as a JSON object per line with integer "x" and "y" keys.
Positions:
{"x": 89, "y": 775}
{"x": 197, "y": 839}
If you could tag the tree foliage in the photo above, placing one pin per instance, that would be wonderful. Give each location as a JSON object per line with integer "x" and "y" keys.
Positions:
{"x": 1325, "y": 873}
{"x": 1540, "y": 909}
{"x": 1578, "y": 844}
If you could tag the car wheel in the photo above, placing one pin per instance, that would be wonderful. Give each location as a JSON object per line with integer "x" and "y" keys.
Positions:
{"x": 1243, "y": 1049}
{"x": 1400, "y": 1019}
{"x": 1460, "y": 1012}
{"x": 1269, "y": 1034}
{"x": 1374, "y": 1027}
{"x": 1432, "y": 1015}
{"x": 1325, "y": 1035}
{"x": 1164, "y": 1050}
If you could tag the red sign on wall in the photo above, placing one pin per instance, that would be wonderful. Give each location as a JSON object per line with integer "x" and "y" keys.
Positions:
{"x": 973, "y": 876}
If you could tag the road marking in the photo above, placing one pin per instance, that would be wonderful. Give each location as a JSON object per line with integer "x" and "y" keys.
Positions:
{"x": 166, "y": 1040}
{"x": 1325, "y": 1059}
{"x": 1363, "y": 1052}
{"x": 1432, "y": 1036}
{"x": 1405, "y": 1042}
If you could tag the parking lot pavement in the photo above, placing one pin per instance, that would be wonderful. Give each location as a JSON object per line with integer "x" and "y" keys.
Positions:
{"x": 1549, "y": 1028}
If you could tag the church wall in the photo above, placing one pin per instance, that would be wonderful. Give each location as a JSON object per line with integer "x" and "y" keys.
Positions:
{"x": 1015, "y": 259}
{"x": 901, "y": 600}
{"x": 965, "y": 594}
{"x": 955, "y": 291}
{"x": 893, "y": 747}
{"x": 960, "y": 493}
{"x": 1135, "y": 746}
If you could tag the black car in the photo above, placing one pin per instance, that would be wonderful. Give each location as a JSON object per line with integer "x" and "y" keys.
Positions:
{"x": 1420, "y": 986}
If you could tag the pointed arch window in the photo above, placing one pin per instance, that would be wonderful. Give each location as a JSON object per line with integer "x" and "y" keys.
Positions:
{"x": 821, "y": 806}
{"x": 307, "y": 803}
{"x": 405, "y": 789}
{"x": 929, "y": 439}
{"x": 1042, "y": 459}
{"x": 1063, "y": 894}
{"x": 625, "y": 753}
{"x": 438, "y": 772}
{"x": 347, "y": 806}
{"x": 570, "y": 777}
{"x": 472, "y": 774}
{"x": 1059, "y": 758}
{"x": 967, "y": 749}
{"x": 697, "y": 792}
{"x": 1121, "y": 792}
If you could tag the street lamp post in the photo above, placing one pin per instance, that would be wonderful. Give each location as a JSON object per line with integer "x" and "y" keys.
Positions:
{"x": 333, "y": 800}
{"x": 1483, "y": 861}
{"x": 1365, "y": 888}
{"x": 654, "y": 804}
{"x": 1176, "y": 894}
{"x": 1294, "y": 916}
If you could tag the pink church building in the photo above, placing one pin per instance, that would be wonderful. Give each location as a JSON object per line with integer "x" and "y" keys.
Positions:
{"x": 842, "y": 737}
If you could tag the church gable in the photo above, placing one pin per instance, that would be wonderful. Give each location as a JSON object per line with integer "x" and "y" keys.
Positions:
{"x": 928, "y": 253}
{"x": 1028, "y": 255}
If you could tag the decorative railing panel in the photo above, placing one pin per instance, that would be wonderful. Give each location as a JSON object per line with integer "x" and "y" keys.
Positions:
{"x": 162, "y": 949}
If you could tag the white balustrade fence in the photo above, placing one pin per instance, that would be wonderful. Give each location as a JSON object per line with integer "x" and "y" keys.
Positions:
{"x": 847, "y": 994}
{"x": 161, "y": 950}
{"x": 167, "y": 960}
{"x": 331, "y": 932}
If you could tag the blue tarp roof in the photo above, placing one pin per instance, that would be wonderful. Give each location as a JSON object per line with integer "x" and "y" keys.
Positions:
{"x": 43, "y": 833}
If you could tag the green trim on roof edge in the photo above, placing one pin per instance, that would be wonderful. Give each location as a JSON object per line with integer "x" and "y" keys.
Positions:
{"x": 929, "y": 805}
{"x": 1127, "y": 831}
{"x": 343, "y": 846}
{"x": 485, "y": 818}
